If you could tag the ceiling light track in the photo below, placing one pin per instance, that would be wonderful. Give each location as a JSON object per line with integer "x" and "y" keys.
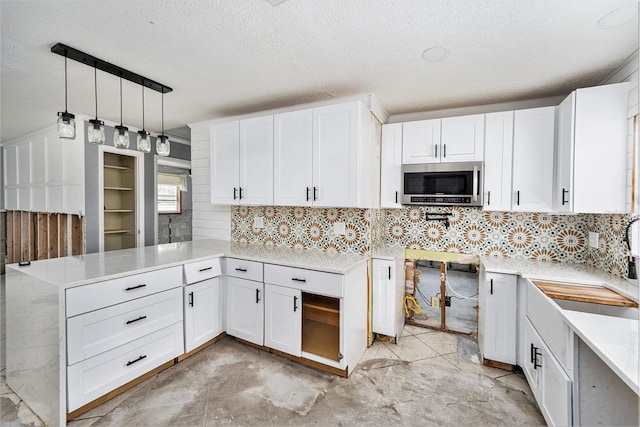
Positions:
{"x": 107, "y": 67}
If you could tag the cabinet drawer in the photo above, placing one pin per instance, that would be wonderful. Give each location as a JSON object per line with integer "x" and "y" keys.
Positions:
{"x": 311, "y": 281}
{"x": 98, "y": 331}
{"x": 250, "y": 270}
{"x": 203, "y": 270}
{"x": 546, "y": 319}
{"x": 83, "y": 299}
{"x": 94, "y": 377}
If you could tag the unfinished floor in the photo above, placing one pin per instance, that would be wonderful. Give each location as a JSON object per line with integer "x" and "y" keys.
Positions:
{"x": 429, "y": 378}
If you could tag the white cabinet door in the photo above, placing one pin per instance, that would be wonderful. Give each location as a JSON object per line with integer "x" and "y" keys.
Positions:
{"x": 499, "y": 319}
{"x": 391, "y": 166}
{"x": 10, "y": 160}
{"x": 532, "y": 367}
{"x": 336, "y": 133}
{"x": 73, "y": 178}
{"x": 225, "y": 167}
{"x": 256, "y": 161}
{"x": 533, "y": 167}
{"x": 283, "y": 319}
{"x": 498, "y": 153}
{"x": 384, "y": 299}
{"x": 462, "y": 139}
{"x": 202, "y": 313}
{"x": 421, "y": 141}
{"x": 24, "y": 176}
{"x": 556, "y": 391}
{"x": 563, "y": 198}
{"x": 245, "y": 309}
{"x": 293, "y": 158}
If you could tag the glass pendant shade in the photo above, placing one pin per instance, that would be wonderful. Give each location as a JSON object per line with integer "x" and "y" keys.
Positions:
{"x": 121, "y": 137}
{"x": 143, "y": 142}
{"x": 95, "y": 132}
{"x": 66, "y": 125}
{"x": 163, "y": 147}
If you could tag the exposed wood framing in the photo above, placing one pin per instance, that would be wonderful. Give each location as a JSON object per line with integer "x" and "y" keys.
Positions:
{"x": 33, "y": 236}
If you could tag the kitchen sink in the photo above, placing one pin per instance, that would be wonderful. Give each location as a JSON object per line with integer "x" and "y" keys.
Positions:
{"x": 596, "y": 308}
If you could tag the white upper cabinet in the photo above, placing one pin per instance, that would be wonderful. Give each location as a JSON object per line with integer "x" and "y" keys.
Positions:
{"x": 498, "y": 153}
{"x": 533, "y": 152}
{"x": 462, "y": 139}
{"x": 293, "y": 158}
{"x": 452, "y": 139}
{"x": 421, "y": 142}
{"x": 242, "y": 162}
{"x": 391, "y": 166}
{"x": 225, "y": 164}
{"x": 592, "y": 150}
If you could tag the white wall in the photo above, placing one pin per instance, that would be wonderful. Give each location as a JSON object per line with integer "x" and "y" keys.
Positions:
{"x": 209, "y": 221}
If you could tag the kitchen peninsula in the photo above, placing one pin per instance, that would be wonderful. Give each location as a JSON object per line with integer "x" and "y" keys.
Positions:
{"x": 320, "y": 290}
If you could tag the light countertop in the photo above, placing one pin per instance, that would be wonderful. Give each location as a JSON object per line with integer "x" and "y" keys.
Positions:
{"x": 613, "y": 339}
{"x": 82, "y": 269}
{"x": 560, "y": 272}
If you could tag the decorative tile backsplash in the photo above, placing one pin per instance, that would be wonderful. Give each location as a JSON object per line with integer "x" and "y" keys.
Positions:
{"x": 543, "y": 236}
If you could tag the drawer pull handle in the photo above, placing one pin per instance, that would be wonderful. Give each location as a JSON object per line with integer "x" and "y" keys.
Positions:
{"x": 190, "y": 299}
{"x": 295, "y": 304}
{"x": 295, "y": 279}
{"x": 244, "y": 270}
{"x": 257, "y": 295}
{"x": 308, "y": 198}
{"x": 131, "y": 362}
{"x": 136, "y": 320}
{"x": 205, "y": 269}
{"x": 135, "y": 287}
{"x": 532, "y": 352}
{"x": 491, "y": 286}
{"x": 389, "y": 272}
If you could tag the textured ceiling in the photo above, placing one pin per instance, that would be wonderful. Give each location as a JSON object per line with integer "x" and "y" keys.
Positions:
{"x": 239, "y": 56}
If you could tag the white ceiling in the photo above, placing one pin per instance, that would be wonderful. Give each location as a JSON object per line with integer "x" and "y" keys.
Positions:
{"x": 239, "y": 56}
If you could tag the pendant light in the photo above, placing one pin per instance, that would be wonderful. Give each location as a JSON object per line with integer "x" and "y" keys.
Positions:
{"x": 121, "y": 134}
{"x": 66, "y": 120}
{"x": 95, "y": 130}
{"x": 143, "y": 142}
{"x": 162, "y": 142}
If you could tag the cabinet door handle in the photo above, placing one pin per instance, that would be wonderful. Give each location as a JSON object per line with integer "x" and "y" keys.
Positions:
{"x": 436, "y": 147}
{"x": 518, "y": 197}
{"x": 308, "y": 194}
{"x": 205, "y": 269}
{"x": 444, "y": 150}
{"x": 295, "y": 279}
{"x": 389, "y": 272}
{"x": 533, "y": 352}
{"x": 240, "y": 193}
{"x": 244, "y": 270}
{"x": 295, "y": 304}
{"x": 136, "y": 320}
{"x": 257, "y": 295}
{"x": 131, "y": 362}
{"x": 537, "y": 365}
{"x": 235, "y": 193}
{"x": 131, "y": 288}
{"x": 315, "y": 193}
{"x": 564, "y": 191}
{"x": 489, "y": 198}
{"x": 190, "y": 299}
{"x": 491, "y": 290}
{"x": 396, "y": 197}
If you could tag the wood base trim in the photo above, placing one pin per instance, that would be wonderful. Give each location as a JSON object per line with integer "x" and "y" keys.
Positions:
{"x": 311, "y": 363}
{"x": 202, "y": 347}
{"x": 99, "y": 401}
{"x": 499, "y": 365}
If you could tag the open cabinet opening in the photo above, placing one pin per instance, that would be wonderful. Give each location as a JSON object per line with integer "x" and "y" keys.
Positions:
{"x": 321, "y": 326}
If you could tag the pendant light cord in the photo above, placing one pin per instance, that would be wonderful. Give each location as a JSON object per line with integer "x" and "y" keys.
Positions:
{"x": 162, "y": 113}
{"x": 65, "y": 81}
{"x": 142, "y": 107}
{"x": 120, "y": 99}
{"x": 95, "y": 85}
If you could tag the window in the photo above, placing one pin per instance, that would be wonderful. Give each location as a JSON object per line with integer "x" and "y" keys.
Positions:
{"x": 169, "y": 199}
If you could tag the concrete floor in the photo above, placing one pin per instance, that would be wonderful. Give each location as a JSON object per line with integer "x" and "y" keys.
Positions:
{"x": 428, "y": 378}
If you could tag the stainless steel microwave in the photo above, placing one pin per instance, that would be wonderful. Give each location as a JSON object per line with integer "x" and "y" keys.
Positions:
{"x": 442, "y": 184}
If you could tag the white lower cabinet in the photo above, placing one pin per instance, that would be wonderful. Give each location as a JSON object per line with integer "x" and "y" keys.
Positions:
{"x": 497, "y": 333}
{"x": 94, "y": 377}
{"x": 550, "y": 384}
{"x": 387, "y": 315}
{"x": 202, "y": 313}
{"x": 245, "y": 309}
{"x": 283, "y": 319}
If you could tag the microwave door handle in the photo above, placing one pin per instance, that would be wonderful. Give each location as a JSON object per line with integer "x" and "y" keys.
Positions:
{"x": 475, "y": 184}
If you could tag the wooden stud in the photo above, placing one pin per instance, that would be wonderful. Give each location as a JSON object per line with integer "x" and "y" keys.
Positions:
{"x": 42, "y": 242}
{"x": 16, "y": 235}
{"x": 443, "y": 290}
{"x": 25, "y": 231}
{"x": 10, "y": 237}
{"x": 77, "y": 235}
{"x": 498, "y": 365}
{"x": 54, "y": 244}
{"x": 63, "y": 235}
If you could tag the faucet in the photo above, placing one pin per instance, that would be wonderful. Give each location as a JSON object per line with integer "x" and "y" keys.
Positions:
{"x": 632, "y": 272}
